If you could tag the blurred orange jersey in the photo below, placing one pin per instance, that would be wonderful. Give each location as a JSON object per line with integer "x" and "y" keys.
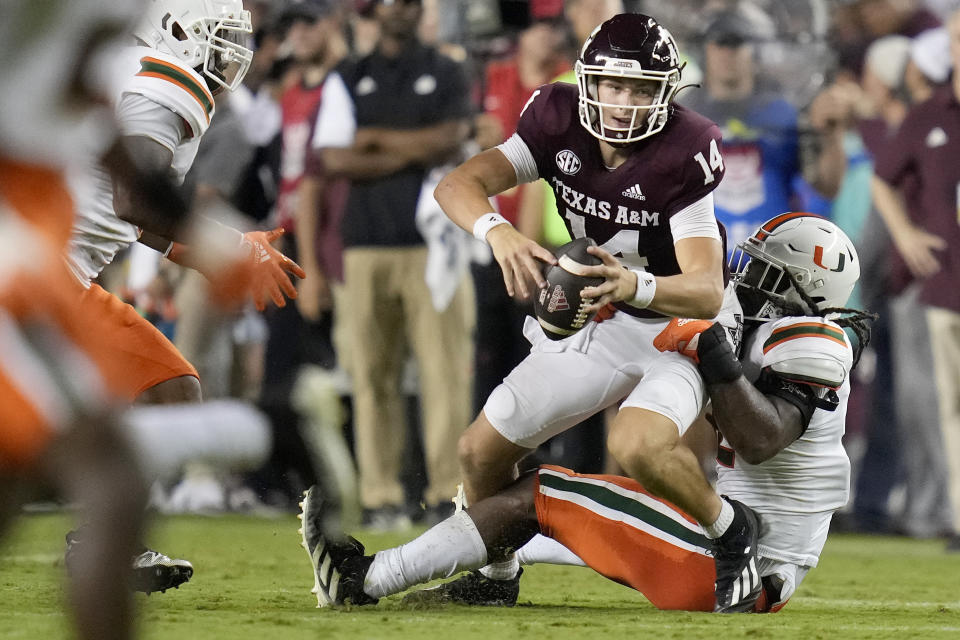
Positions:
{"x": 46, "y": 373}
{"x": 50, "y": 112}
{"x": 40, "y": 196}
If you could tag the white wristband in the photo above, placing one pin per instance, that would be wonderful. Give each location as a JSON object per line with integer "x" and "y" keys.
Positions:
{"x": 486, "y": 222}
{"x": 646, "y": 289}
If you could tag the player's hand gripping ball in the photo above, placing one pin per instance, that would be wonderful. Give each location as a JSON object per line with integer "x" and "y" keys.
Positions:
{"x": 558, "y": 306}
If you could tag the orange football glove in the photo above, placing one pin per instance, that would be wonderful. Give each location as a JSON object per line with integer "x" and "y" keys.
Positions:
{"x": 252, "y": 268}
{"x": 682, "y": 336}
{"x": 606, "y": 312}
{"x": 270, "y": 269}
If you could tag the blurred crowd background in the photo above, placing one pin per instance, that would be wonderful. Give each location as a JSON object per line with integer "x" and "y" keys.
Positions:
{"x": 406, "y": 316}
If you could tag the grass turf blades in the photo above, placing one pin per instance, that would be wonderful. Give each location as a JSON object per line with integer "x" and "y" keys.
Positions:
{"x": 253, "y": 581}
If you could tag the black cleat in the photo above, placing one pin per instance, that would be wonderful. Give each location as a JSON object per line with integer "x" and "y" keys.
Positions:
{"x": 738, "y": 583}
{"x": 473, "y": 588}
{"x": 150, "y": 571}
{"x": 339, "y": 565}
{"x": 153, "y": 571}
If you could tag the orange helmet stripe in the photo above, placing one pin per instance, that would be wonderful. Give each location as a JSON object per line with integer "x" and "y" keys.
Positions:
{"x": 772, "y": 224}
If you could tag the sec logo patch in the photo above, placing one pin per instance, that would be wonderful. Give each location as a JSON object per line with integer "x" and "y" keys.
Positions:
{"x": 568, "y": 162}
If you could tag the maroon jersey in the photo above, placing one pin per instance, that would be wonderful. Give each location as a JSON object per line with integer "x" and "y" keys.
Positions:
{"x": 924, "y": 152}
{"x": 626, "y": 210}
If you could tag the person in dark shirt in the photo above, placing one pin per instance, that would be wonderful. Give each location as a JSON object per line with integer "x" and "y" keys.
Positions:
{"x": 635, "y": 173}
{"x": 404, "y": 111}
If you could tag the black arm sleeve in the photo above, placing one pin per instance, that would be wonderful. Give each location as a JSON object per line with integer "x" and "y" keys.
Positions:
{"x": 802, "y": 396}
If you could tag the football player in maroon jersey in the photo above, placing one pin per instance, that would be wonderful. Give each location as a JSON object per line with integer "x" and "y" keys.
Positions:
{"x": 635, "y": 172}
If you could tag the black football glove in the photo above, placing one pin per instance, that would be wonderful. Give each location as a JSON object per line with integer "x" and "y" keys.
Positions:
{"x": 718, "y": 364}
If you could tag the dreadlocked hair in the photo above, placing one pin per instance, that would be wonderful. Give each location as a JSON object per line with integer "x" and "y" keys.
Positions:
{"x": 855, "y": 320}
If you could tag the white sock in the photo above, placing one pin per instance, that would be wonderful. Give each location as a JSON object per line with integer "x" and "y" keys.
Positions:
{"x": 505, "y": 570}
{"x": 723, "y": 522}
{"x": 448, "y": 548}
{"x": 223, "y": 433}
{"x": 547, "y": 550}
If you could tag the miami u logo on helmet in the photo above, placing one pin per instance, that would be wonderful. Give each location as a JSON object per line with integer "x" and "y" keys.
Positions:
{"x": 818, "y": 259}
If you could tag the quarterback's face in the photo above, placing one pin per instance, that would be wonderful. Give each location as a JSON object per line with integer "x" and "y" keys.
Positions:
{"x": 625, "y": 93}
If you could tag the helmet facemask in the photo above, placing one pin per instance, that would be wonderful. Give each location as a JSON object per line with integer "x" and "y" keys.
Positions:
{"x": 645, "y": 120}
{"x": 766, "y": 287}
{"x": 227, "y": 57}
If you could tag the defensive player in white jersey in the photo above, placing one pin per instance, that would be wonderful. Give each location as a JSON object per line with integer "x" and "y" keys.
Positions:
{"x": 163, "y": 87}
{"x": 186, "y": 52}
{"x": 780, "y": 409}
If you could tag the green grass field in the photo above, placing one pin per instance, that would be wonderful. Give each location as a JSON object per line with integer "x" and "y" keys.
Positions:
{"x": 253, "y": 581}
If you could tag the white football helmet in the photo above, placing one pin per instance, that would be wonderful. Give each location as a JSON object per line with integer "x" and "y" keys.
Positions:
{"x": 794, "y": 250}
{"x": 210, "y": 36}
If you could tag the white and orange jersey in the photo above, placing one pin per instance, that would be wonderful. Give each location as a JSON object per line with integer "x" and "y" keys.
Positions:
{"x": 797, "y": 491}
{"x": 148, "y": 84}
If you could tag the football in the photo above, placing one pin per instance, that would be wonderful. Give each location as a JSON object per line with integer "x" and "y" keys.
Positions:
{"x": 558, "y": 306}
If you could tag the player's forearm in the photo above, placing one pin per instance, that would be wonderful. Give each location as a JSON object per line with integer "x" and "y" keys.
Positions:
{"x": 199, "y": 247}
{"x": 696, "y": 294}
{"x": 748, "y": 419}
{"x": 464, "y": 193}
{"x": 463, "y": 199}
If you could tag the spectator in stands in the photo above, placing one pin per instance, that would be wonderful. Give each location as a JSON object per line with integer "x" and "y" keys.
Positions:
{"x": 929, "y": 63}
{"x": 257, "y": 102}
{"x": 856, "y": 24}
{"x": 924, "y": 228}
{"x": 406, "y": 111}
{"x": 868, "y": 113}
{"x": 537, "y": 214}
{"x": 760, "y": 139}
{"x": 500, "y": 344}
{"x": 927, "y": 509}
{"x": 316, "y": 44}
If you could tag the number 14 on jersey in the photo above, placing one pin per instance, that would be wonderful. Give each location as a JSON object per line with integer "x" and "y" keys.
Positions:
{"x": 715, "y": 164}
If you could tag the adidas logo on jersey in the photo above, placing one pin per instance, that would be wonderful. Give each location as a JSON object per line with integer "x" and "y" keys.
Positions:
{"x": 634, "y": 192}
